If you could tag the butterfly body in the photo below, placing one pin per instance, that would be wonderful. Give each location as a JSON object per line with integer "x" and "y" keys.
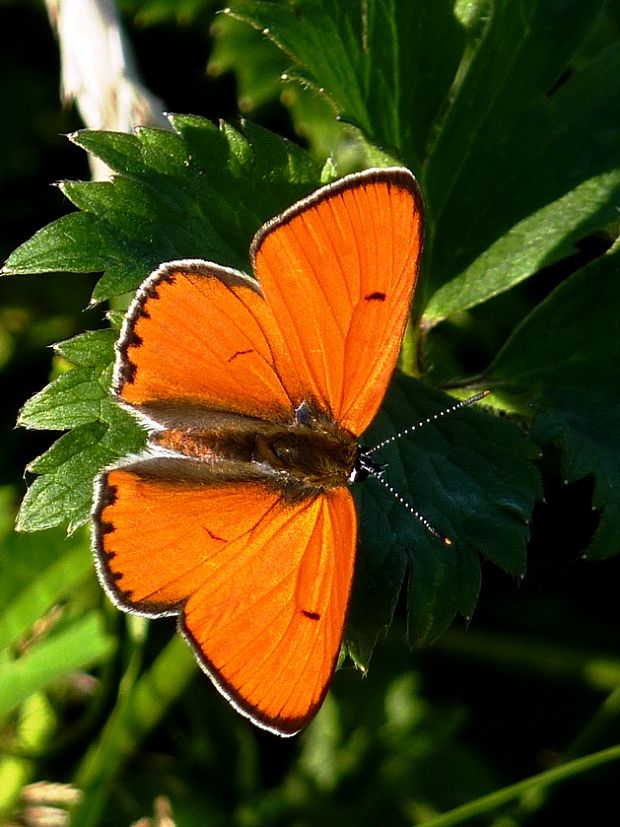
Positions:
{"x": 305, "y": 458}
{"x": 238, "y": 517}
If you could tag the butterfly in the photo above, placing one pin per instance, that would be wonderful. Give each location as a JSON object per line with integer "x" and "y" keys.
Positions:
{"x": 238, "y": 517}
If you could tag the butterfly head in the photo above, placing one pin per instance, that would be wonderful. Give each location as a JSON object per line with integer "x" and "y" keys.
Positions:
{"x": 365, "y": 466}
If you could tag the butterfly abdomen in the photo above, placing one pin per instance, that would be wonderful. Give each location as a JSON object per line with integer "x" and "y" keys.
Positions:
{"x": 304, "y": 460}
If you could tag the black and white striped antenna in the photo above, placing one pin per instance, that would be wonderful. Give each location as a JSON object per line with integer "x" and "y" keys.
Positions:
{"x": 375, "y": 471}
{"x": 429, "y": 419}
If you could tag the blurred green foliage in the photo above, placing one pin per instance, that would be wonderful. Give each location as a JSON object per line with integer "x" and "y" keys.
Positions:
{"x": 506, "y": 114}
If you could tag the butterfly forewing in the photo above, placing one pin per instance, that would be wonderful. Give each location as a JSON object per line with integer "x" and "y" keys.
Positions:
{"x": 200, "y": 335}
{"x": 338, "y": 272}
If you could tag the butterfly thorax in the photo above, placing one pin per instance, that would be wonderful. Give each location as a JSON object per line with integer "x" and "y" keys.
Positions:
{"x": 304, "y": 458}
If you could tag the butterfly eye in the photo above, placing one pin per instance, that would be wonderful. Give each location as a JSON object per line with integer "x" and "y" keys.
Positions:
{"x": 303, "y": 414}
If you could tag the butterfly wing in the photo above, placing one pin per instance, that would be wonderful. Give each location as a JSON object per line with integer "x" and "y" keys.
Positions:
{"x": 260, "y": 585}
{"x": 201, "y": 337}
{"x": 338, "y": 271}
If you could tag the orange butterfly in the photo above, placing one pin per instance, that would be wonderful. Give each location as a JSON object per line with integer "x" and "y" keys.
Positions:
{"x": 238, "y": 517}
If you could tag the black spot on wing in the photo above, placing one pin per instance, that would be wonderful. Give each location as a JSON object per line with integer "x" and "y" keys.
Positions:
{"x": 127, "y": 372}
{"x": 108, "y": 495}
{"x": 148, "y": 292}
{"x": 150, "y": 288}
{"x": 311, "y": 615}
{"x": 377, "y": 296}
{"x": 215, "y": 536}
{"x": 106, "y": 527}
{"x": 239, "y": 353}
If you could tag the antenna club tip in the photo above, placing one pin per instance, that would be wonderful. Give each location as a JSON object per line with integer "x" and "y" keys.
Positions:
{"x": 447, "y": 541}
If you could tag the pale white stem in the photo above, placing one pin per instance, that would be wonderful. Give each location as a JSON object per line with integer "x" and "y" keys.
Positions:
{"x": 98, "y": 70}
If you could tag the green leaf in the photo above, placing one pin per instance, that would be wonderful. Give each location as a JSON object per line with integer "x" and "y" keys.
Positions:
{"x": 121, "y": 151}
{"x": 74, "y": 398}
{"x": 90, "y": 349}
{"x": 63, "y": 491}
{"x": 49, "y": 572}
{"x": 511, "y": 143}
{"x": 385, "y": 67}
{"x": 471, "y": 475}
{"x": 80, "y": 395}
{"x": 541, "y": 239}
{"x": 177, "y": 195}
{"x": 562, "y": 365}
{"x": 75, "y": 243}
{"x": 102, "y": 433}
{"x": 79, "y": 645}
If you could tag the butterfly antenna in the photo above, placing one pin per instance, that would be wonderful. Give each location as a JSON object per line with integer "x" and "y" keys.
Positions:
{"x": 462, "y": 404}
{"x": 377, "y": 475}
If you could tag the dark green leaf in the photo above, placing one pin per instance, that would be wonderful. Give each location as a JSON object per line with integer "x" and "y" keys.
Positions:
{"x": 63, "y": 491}
{"x": 540, "y": 239}
{"x": 386, "y": 68}
{"x": 563, "y": 365}
{"x": 177, "y": 196}
{"x": 260, "y": 71}
{"x": 458, "y": 96}
{"x": 258, "y": 64}
{"x": 379, "y": 575}
{"x": 512, "y": 146}
{"x": 433, "y": 590}
{"x": 471, "y": 475}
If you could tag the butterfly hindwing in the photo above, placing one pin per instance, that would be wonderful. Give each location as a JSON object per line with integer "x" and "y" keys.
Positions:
{"x": 261, "y": 586}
